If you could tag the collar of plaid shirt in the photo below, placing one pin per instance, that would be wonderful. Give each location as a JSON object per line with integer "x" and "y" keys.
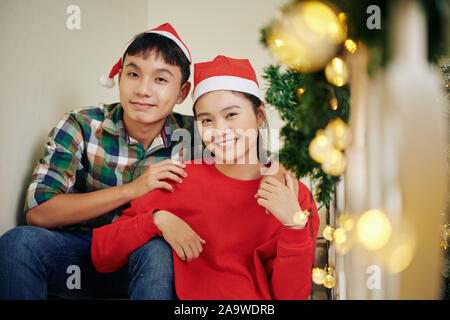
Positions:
{"x": 114, "y": 125}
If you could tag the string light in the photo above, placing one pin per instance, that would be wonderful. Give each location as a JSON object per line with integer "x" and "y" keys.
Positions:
{"x": 336, "y": 72}
{"x": 328, "y": 232}
{"x": 350, "y": 45}
{"x": 334, "y": 103}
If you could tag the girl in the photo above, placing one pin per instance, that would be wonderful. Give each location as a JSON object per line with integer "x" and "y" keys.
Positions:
{"x": 226, "y": 245}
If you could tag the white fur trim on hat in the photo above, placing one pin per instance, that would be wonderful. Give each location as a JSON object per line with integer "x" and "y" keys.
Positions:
{"x": 226, "y": 83}
{"x": 107, "y": 82}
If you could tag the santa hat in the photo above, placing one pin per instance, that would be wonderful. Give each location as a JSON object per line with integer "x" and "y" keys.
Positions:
{"x": 224, "y": 73}
{"x": 165, "y": 30}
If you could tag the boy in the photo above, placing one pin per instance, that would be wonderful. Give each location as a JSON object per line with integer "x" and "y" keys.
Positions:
{"x": 96, "y": 161}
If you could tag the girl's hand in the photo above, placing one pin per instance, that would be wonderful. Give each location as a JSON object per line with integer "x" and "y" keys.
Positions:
{"x": 185, "y": 241}
{"x": 279, "y": 199}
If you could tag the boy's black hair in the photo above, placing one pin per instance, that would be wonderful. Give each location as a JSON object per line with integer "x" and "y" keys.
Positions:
{"x": 172, "y": 54}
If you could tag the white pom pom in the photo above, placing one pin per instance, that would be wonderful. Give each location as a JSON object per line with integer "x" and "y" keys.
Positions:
{"x": 107, "y": 82}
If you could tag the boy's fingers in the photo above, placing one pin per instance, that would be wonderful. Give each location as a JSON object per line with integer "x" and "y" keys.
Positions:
{"x": 168, "y": 175}
{"x": 172, "y": 168}
{"x": 163, "y": 185}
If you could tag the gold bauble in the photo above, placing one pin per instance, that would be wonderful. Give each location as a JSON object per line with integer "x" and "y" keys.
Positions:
{"x": 329, "y": 281}
{"x": 334, "y": 163}
{"x": 373, "y": 229}
{"x": 345, "y": 221}
{"x": 340, "y": 133}
{"x": 328, "y": 233}
{"x": 319, "y": 146}
{"x": 306, "y": 36}
{"x": 340, "y": 235}
{"x": 301, "y": 218}
{"x": 318, "y": 275}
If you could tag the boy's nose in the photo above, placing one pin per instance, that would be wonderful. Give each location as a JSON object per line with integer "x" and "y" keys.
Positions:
{"x": 144, "y": 88}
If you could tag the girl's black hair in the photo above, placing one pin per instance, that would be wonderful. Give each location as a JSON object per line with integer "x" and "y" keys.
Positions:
{"x": 172, "y": 54}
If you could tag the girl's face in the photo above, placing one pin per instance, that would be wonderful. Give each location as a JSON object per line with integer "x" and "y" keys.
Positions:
{"x": 229, "y": 126}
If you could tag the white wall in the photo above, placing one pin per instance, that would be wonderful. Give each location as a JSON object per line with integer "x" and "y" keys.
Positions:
{"x": 46, "y": 70}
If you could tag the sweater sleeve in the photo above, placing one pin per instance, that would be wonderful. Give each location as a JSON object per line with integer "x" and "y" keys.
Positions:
{"x": 112, "y": 244}
{"x": 288, "y": 259}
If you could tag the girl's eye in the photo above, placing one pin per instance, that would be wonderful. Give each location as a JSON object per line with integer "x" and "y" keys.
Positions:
{"x": 206, "y": 121}
{"x": 231, "y": 115}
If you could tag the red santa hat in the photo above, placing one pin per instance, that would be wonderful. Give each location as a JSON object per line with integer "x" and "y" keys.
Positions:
{"x": 165, "y": 30}
{"x": 224, "y": 73}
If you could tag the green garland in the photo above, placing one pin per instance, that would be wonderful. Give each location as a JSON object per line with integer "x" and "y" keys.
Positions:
{"x": 306, "y": 113}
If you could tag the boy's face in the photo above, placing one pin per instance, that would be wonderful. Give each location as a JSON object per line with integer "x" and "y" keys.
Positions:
{"x": 149, "y": 88}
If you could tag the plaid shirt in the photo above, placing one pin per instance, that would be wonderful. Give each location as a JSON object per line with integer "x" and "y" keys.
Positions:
{"x": 89, "y": 150}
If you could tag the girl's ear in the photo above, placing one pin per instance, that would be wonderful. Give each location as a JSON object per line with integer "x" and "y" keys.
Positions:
{"x": 261, "y": 114}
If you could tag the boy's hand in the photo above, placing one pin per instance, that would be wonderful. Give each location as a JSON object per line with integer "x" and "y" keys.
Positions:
{"x": 280, "y": 199}
{"x": 152, "y": 178}
{"x": 185, "y": 241}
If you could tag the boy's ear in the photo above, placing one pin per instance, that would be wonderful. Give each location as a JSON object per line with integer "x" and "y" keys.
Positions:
{"x": 120, "y": 75}
{"x": 184, "y": 92}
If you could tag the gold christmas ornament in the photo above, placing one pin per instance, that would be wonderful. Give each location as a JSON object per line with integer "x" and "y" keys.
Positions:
{"x": 300, "y": 91}
{"x": 340, "y": 132}
{"x": 329, "y": 281}
{"x": 318, "y": 275}
{"x": 301, "y": 217}
{"x": 336, "y": 72}
{"x": 334, "y": 163}
{"x": 373, "y": 229}
{"x": 328, "y": 232}
{"x": 319, "y": 146}
{"x": 345, "y": 221}
{"x": 316, "y": 193}
{"x": 340, "y": 235}
{"x": 307, "y": 35}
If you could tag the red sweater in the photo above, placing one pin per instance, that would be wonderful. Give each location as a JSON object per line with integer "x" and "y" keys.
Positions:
{"x": 248, "y": 254}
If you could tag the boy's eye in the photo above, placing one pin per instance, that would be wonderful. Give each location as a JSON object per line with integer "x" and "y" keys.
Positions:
{"x": 161, "y": 79}
{"x": 132, "y": 74}
{"x": 205, "y": 121}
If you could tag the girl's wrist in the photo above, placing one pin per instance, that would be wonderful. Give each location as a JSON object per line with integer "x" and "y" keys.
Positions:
{"x": 299, "y": 220}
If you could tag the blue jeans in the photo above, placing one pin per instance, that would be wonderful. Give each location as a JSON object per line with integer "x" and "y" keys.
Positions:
{"x": 37, "y": 262}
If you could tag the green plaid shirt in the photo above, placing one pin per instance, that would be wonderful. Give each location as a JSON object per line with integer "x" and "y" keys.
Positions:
{"x": 89, "y": 150}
